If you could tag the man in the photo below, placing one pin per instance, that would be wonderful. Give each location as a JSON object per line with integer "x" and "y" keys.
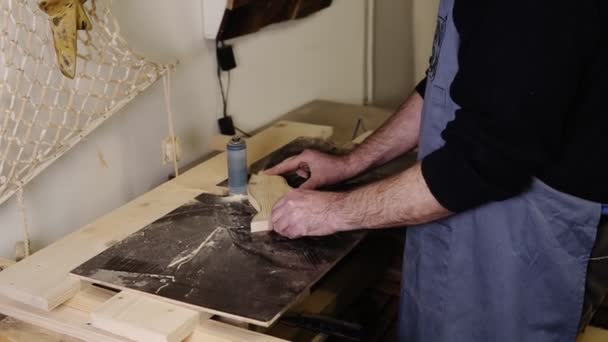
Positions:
{"x": 505, "y": 201}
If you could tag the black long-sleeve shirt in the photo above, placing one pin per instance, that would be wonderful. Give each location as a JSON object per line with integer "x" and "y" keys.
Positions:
{"x": 533, "y": 90}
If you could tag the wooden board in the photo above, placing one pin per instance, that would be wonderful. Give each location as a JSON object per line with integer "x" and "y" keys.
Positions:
{"x": 64, "y": 319}
{"x": 5, "y": 263}
{"x": 264, "y": 191}
{"x": 12, "y": 330}
{"x": 144, "y": 319}
{"x": 203, "y": 256}
{"x": 42, "y": 281}
{"x": 72, "y": 318}
{"x": 247, "y": 16}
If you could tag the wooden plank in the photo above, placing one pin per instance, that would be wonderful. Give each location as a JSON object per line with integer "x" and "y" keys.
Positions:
{"x": 145, "y": 319}
{"x": 12, "y": 330}
{"x": 72, "y": 319}
{"x": 264, "y": 191}
{"x": 5, "y": 263}
{"x": 41, "y": 280}
{"x": 213, "y": 331}
{"x": 593, "y": 334}
{"x": 64, "y": 319}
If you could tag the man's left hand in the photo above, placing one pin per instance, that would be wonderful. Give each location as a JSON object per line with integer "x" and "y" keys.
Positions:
{"x": 308, "y": 213}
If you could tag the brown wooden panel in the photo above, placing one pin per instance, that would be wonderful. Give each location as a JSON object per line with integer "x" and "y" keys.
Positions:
{"x": 247, "y": 16}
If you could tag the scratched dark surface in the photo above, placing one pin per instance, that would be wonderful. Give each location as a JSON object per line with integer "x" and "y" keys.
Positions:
{"x": 203, "y": 254}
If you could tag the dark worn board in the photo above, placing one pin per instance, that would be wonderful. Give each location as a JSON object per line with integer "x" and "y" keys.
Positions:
{"x": 202, "y": 254}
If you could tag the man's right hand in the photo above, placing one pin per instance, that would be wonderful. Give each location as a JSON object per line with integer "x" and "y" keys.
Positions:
{"x": 320, "y": 168}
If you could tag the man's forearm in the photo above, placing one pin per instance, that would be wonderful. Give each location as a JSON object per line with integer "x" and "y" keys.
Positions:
{"x": 398, "y": 135}
{"x": 403, "y": 199}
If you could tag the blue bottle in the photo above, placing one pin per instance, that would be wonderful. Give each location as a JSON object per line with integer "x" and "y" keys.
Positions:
{"x": 237, "y": 166}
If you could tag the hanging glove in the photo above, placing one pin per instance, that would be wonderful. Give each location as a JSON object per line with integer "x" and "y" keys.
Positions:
{"x": 66, "y": 17}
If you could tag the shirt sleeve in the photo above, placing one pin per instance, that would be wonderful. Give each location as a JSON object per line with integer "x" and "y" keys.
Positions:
{"x": 421, "y": 87}
{"x": 521, "y": 64}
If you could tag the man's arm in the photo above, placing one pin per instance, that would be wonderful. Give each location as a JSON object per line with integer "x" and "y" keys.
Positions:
{"x": 403, "y": 199}
{"x": 398, "y": 135}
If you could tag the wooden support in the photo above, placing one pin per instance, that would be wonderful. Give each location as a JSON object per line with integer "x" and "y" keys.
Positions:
{"x": 144, "y": 319}
{"x": 264, "y": 191}
{"x": 64, "y": 319}
{"x": 12, "y": 330}
{"x": 73, "y": 319}
{"x": 5, "y": 263}
{"x": 42, "y": 281}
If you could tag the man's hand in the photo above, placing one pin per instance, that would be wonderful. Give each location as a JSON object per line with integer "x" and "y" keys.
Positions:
{"x": 320, "y": 168}
{"x": 308, "y": 213}
{"x": 400, "y": 200}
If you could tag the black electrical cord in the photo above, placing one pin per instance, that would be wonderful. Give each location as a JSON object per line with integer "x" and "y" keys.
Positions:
{"x": 225, "y": 93}
{"x": 221, "y": 83}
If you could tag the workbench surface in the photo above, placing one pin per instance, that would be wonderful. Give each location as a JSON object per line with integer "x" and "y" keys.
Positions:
{"x": 35, "y": 290}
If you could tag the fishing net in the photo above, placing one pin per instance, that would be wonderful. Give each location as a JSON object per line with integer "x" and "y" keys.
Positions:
{"x": 43, "y": 113}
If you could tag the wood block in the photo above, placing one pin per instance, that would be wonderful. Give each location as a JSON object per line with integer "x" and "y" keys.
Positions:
{"x": 73, "y": 319}
{"x": 12, "y": 330}
{"x": 145, "y": 319}
{"x": 264, "y": 191}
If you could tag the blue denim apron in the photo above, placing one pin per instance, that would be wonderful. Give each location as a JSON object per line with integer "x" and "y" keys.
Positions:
{"x": 507, "y": 271}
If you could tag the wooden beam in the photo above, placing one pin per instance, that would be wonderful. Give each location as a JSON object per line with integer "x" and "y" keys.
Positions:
{"x": 144, "y": 319}
{"x": 42, "y": 281}
{"x": 64, "y": 319}
{"x": 73, "y": 319}
{"x": 5, "y": 263}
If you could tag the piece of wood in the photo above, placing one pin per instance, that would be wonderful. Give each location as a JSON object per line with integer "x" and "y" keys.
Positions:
{"x": 593, "y": 334}
{"x": 144, "y": 319}
{"x": 42, "y": 281}
{"x": 12, "y": 330}
{"x": 5, "y": 263}
{"x": 64, "y": 319}
{"x": 264, "y": 191}
{"x": 72, "y": 319}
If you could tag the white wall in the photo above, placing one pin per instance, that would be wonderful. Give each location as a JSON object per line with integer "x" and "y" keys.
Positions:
{"x": 393, "y": 47}
{"x": 403, "y": 39}
{"x": 424, "y": 20}
{"x": 280, "y": 68}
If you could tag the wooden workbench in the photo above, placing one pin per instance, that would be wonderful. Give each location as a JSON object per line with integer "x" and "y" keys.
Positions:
{"x": 38, "y": 290}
